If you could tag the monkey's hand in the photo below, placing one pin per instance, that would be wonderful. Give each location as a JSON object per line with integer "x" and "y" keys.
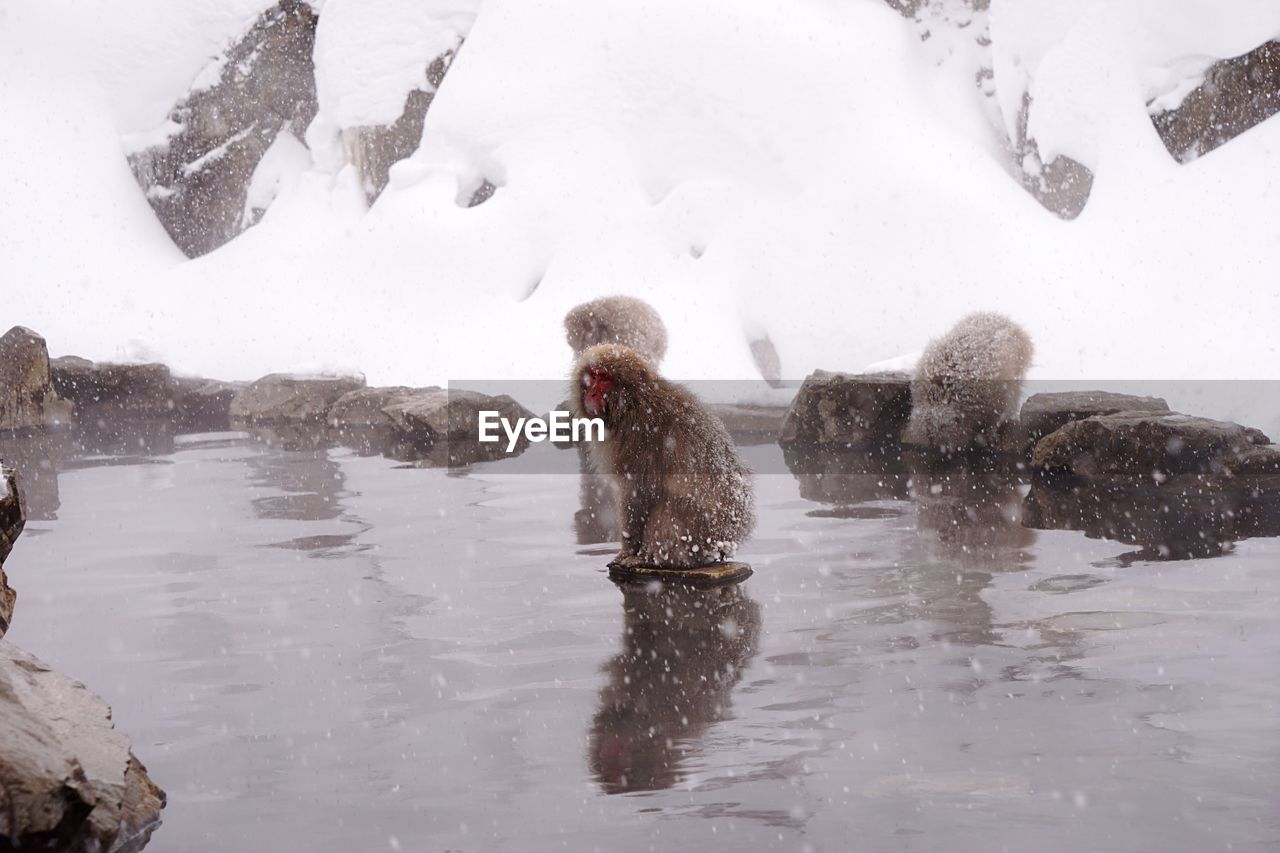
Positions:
{"x": 626, "y": 560}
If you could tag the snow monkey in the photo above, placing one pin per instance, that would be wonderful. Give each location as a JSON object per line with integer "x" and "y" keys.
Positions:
{"x": 683, "y": 496}
{"x": 968, "y": 382}
{"x": 617, "y": 320}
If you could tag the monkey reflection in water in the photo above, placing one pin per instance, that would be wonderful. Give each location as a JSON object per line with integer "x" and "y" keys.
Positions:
{"x": 970, "y": 511}
{"x": 970, "y": 529}
{"x": 683, "y": 651}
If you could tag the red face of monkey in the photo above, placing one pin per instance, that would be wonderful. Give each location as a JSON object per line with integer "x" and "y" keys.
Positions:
{"x": 596, "y": 381}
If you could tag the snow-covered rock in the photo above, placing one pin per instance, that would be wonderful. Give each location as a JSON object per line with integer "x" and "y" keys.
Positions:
{"x": 1236, "y": 94}
{"x": 27, "y": 398}
{"x": 283, "y": 398}
{"x": 197, "y": 169}
{"x": 847, "y": 202}
{"x": 107, "y": 393}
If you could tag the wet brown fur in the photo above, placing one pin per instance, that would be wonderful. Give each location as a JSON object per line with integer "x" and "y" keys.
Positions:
{"x": 684, "y": 497}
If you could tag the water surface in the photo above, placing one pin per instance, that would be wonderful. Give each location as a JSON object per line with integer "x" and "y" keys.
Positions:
{"x": 317, "y": 650}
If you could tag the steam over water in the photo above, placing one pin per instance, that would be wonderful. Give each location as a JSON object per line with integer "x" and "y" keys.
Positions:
{"x": 315, "y": 650}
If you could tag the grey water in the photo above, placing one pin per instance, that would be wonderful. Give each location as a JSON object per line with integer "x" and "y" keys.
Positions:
{"x": 313, "y": 649}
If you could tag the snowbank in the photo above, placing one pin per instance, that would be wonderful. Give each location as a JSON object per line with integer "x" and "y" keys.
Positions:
{"x": 806, "y": 170}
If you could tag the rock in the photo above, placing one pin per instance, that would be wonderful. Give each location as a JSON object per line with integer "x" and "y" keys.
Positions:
{"x": 365, "y": 408}
{"x": 848, "y": 411}
{"x": 1149, "y": 446}
{"x": 1042, "y": 414}
{"x": 751, "y": 424}
{"x": 197, "y": 180}
{"x": 282, "y": 398}
{"x": 68, "y": 779}
{"x": 1236, "y": 94}
{"x": 105, "y": 393}
{"x": 203, "y": 405}
{"x": 1177, "y": 520}
{"x": 448, "y": 422}
{"x": 27, "y": 398}
{"x": 438, "y": 425}
{"x": 13, "y": 518}
{"x": 374, "y": 149}
{"x": 1062, "y": 185}
{"x": 765, "y": 355}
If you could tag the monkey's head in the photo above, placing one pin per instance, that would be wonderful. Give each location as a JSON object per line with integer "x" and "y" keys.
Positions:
{"x": 608, "y": 381}
{"x": 617, "y": 320}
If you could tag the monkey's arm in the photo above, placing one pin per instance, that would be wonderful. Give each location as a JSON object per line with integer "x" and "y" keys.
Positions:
{"x": 633, "y": 513}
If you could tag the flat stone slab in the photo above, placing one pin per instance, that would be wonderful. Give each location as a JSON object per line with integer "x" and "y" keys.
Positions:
{"x": 715, "y": 575}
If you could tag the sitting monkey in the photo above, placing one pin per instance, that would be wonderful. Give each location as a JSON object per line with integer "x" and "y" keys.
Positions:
{"x": 684, "y": 498}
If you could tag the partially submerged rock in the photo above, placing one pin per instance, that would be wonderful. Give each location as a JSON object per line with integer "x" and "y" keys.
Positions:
{"x": 1042, "y": 414}
{"x": 1153, "y": 447}
{"x": 68, "y": 780}
{"x": 436, "y": 424}
{"x": 449, "y": 422}
{"x": 104, "y": 393}
{"x": 203, "y": 405}
{"x": 27, "y": 398}
{"x": 284, "y": 398}
{"x": 848, "y": 411}
{"x": 1178, "y": 520}
{"x": 1177, "y": 485}
{"x": 367, "y": 407}
{"x": 197, "y": 179}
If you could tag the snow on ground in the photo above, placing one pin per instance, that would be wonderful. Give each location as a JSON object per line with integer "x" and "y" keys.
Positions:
{"x": 806, "y": 169}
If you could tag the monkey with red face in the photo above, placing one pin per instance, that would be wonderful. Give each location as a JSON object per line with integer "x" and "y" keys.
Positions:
{"x": 684, "y": 497}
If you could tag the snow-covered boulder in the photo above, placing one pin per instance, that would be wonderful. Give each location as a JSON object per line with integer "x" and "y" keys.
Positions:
{"x": 848, "y": 411}
{"x": 1236, "y": 94}
{"x": 283, "y": 398}
{"x": 197, "y": 169}
{"x": 366, "y": 408}
{"x": 27, "y": 399}
{"x": 105, "y": 393}
{"x": 378, "y": 66}
{"x": 68, "y": 778}
{"x": 373, "y": 149}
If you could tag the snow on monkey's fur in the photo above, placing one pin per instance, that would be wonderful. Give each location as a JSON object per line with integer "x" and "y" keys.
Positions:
{"x": 968, "y": 382}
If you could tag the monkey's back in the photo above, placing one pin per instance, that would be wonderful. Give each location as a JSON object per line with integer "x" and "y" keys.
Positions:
{"x": 681, "y": 459}
{"x": 622, "y": 320}
{"x": 968, "y": 381}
